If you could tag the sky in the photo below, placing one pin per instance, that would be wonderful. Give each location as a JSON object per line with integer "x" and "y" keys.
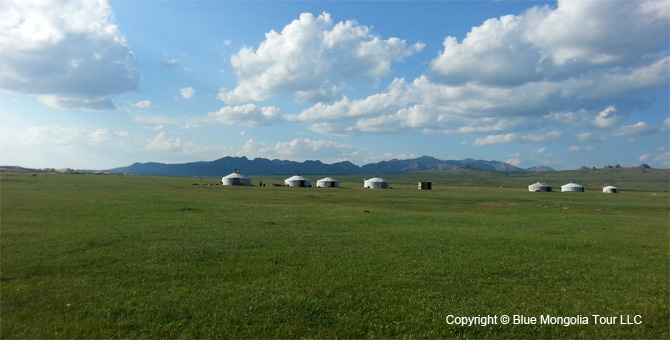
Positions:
{"x": 98, "y": 84}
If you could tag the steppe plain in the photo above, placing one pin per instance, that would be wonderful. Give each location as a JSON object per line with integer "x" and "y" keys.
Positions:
{"x": 95, "y": 256}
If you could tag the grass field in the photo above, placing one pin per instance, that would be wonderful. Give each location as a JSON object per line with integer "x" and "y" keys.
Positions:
{"x": 88, "y": 256}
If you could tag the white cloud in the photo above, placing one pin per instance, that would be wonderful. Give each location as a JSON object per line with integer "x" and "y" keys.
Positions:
{"x": 411, "y": 117}
{"x": 187, "y": 92}
{"x": 142, "y": 104}
{"x": 172, "y": 63}
{"x": 69, "y": 52}
{"x": 546, "y": 43}
{"x": 598, "y": 32}
{"x": 638, "y": 128}
{"x": 98, "y": 148}
{"x": 458, "y": 108}
{"x": 308, "y": 148}
{"x": 514, "y": 138}
{"x": 494, "y": 53}
{"x": 644, "y": 157}
{"x": 606, "y": 118}
{"x": 159, "y": 127}
{"x": 480, "y": 125}
{"x": 56, "y": 134}
{"x": 99, "y": 136}
{"x": 301, "y": 149}
{"x": 311, "y": 56}
{"x": 497, "y": 139}
{"x": 574, "y": 148}
{"x": 76, "y": 103}
{"x": 542, "y": 137}
{"x": 567, "y": 118}
{"x": 663, "y": 159}
{"x": 245, "y": 115}
{"x": 584, "y": 137}
{"x": 162, "y": 143}
{"x": 154, "y": 119}
{"x": 504, "y": 77}
{"x": 514, "y": 159}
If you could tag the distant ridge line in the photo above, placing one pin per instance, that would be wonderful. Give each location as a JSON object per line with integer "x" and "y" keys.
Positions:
{"x": 264, "y": 166}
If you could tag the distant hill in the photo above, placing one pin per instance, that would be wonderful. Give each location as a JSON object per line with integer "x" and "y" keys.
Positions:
{"x": 263, "y": 166}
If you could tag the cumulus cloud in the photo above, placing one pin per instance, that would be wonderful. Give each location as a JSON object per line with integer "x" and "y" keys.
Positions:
{"x": 310, "y": 57}
{"x": 301, "y": 149}
{"x": 542, "y": 137}
{"x": 517, "y": 138}
{"x": 172, "y": 63}
{"x": 187, "y": 92}
{"x": 584, "y": 137}
{"x": 509, "y": 75}
{"x": 567, "y": 118}
{"x": 162, "y": 143}
{"x": 142, "y": 104}
{"x": 606, "y": 118}
{"x": 575, "y": 148}
{"x": 546, "y": 43}
{"x": 514, "y": 159}
{"x": 638, "y": 128}
{"x": 452, "y": 107}
{"x": 497, "y": 139}
{"x": 47, "y": 134}
{"x": 245, "y": 115}
{"x": 99, "y": 136}
{"x": 76, "y": 103}
{"x": 68, "y": 52}
{"x": 663, "y": 159}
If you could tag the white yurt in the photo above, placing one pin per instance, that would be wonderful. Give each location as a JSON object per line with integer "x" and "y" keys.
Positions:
{"x": 236, "y": 178}
{"x": 376, "y": 183}
{"x": 298, "y": 181}
{"x": 611, "y": 189}
{"x": 540, "y": 187}
{"x": 327, "y": 183}
{"x": 572, "y": 187}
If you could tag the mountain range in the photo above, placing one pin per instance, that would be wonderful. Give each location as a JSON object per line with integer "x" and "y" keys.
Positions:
{"x": 263, "y": 166}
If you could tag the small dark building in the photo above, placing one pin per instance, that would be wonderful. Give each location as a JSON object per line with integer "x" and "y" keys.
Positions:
{"x": 425, "y": 185}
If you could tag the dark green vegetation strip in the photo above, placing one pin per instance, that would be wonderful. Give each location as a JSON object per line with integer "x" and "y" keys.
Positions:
{"x": 142, "y": 257}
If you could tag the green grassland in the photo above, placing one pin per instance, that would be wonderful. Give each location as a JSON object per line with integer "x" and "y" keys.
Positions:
{"x": 87, "y": 256}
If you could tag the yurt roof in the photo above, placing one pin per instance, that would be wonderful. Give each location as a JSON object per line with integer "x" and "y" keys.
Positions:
{"x": 297, "y": 178}
{"x": 541, "y": 184}
{"x": 235, "y": 174}
{"x": 610, "y": 187}
{"x": 328, "y": 179}
{"x": 572, "y": 185}
{"x": 376, "y": 179}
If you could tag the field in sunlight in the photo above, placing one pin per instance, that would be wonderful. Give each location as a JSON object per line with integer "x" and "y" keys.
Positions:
{"x": 87, "y": 256}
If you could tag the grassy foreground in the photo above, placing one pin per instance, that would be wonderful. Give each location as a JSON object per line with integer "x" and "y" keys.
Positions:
{"x": 144, "y": 257}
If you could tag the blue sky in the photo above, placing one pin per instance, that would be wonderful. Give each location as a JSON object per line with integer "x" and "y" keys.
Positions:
{"x": 102, "y": 84}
